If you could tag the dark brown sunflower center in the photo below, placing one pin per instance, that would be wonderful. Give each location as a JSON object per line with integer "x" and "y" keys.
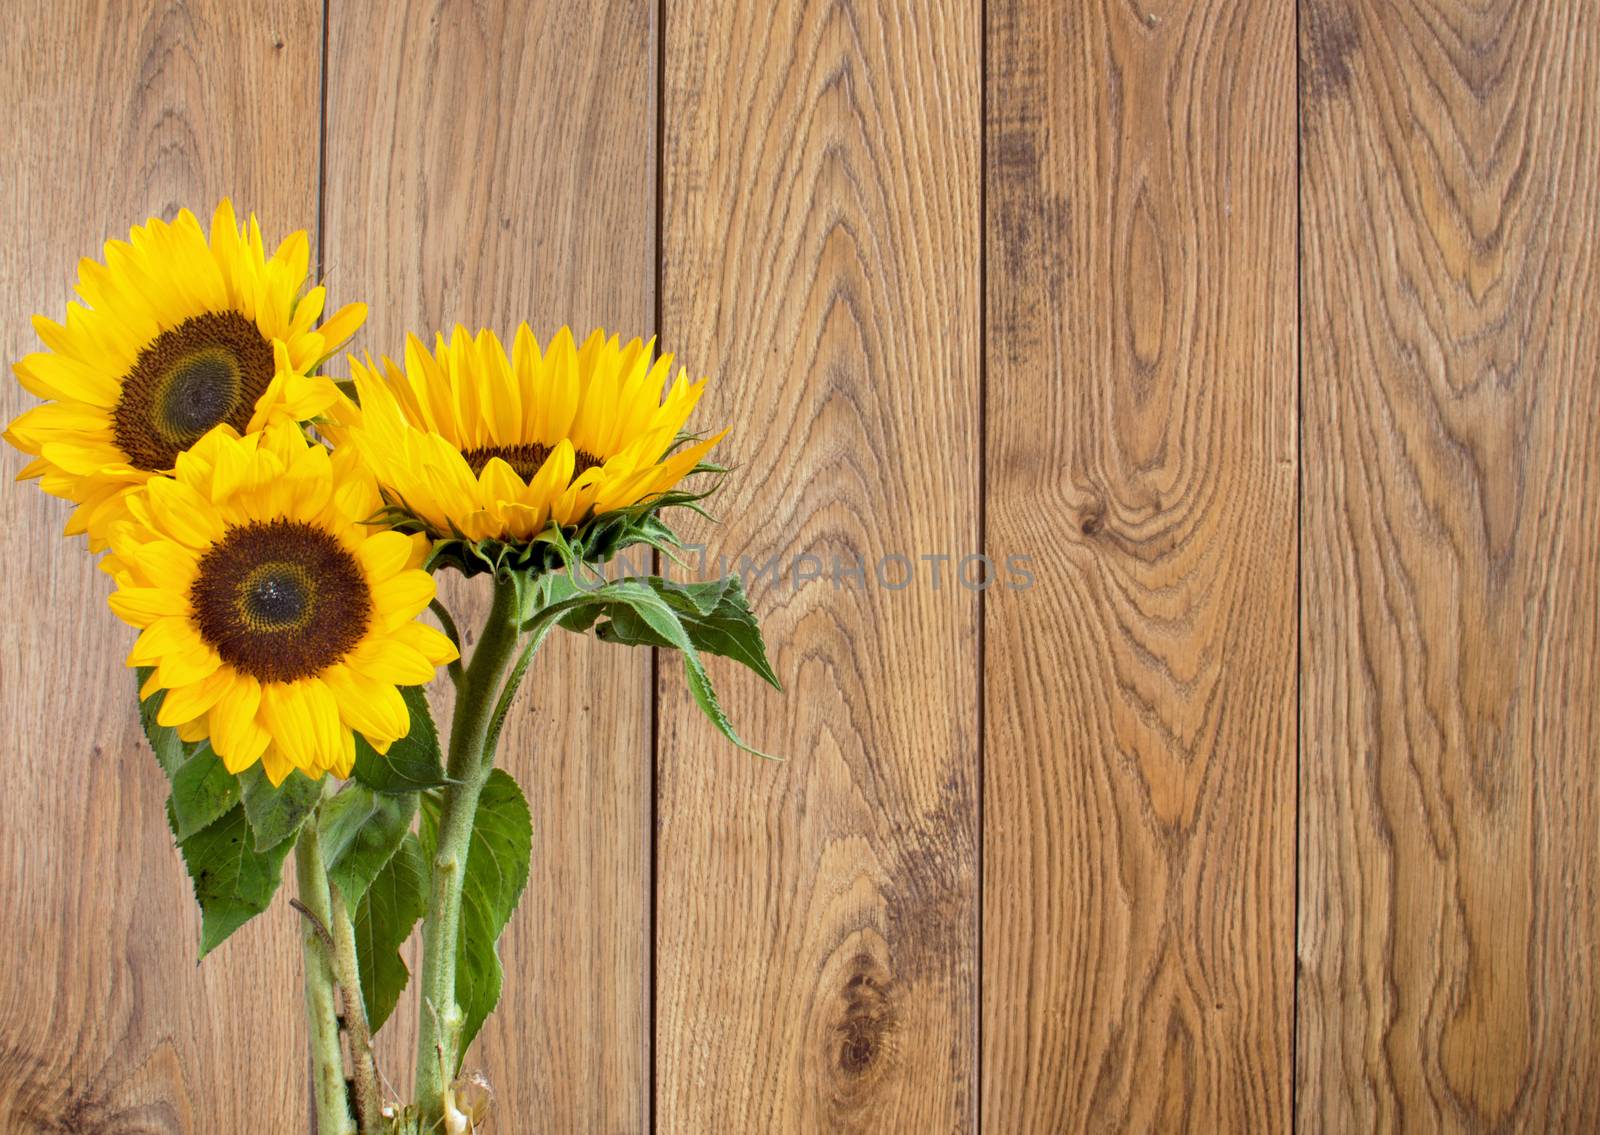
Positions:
{"x": 280, "y": 600}
{"x": 526, "y": 459}
{"x": 209, "y": 369}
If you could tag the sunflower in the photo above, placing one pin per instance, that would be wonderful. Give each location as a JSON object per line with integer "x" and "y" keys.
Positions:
{"x": 180, "y": 334}
{"x": 276, "y": 621}
{"x": 474, "y": 443}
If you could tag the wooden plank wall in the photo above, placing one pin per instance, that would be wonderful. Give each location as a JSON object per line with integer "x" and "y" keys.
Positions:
{"x": 1450, "y": 827}
{"x": 817, "y": 936}
{"x": 1139, "y": 787}
{"x": 1263, "y": 330}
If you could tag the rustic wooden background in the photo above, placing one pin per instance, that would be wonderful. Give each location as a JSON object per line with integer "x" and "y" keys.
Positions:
{"x": 1268, "y": 331}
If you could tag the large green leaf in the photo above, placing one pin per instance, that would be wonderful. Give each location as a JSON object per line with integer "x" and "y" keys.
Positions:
{"x": 202, "y": 791}
{"x": 234, "y": 874}
{"x": 412, "y": 763}
{"x": 275, "y": 814}
{"x": 233, "y": 882}
{"x": 496, "y": 873}
{"x": 383, "y": 921}
{"x": 360, "y": 830}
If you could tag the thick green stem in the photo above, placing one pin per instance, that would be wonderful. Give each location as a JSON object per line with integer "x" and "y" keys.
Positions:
{"x": 322, "y": 1014}
{"x": 439, "y": 1030}
{"x": 364, "y": 1068}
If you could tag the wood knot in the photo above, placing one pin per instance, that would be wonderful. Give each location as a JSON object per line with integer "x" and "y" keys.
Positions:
{"x": 868, "y": 1019}
{"x": 1093, "y": 520}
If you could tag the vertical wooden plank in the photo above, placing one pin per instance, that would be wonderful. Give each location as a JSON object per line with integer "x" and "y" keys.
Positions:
{"x": 1140, "y": 723}
{"x": 491, "y": 163}
{"x": 1451, "y": 825}
{"x": 816, "y": 948}
{"x": 120, "y": 111}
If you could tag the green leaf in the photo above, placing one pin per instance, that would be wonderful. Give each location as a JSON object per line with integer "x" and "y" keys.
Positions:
{"x": 360, "y": 830}
{"x": 233, "y": 882}
{"x": 202, "y": 792}
{"x": 383, "y": 921}
{"x": 558, "y": 597}
{"x": 496, "y": 873}
{"x": 275, "y": 814}
{"x": 639, "y": 613}
{"x": 169, "y": 748}
{"x": 715, "y": 615}
{"x": 662, "y": 620}
{"x": 412, "y": 763}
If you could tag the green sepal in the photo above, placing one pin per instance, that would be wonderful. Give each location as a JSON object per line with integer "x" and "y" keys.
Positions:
{"x": 275, "y": 814}
{"x": 383, "y": 920}
{"x": 360, "y": 830}
{"x": 495, "y": 875}
{"x": 414, "y": 763}
{"x": 233, "y": 882}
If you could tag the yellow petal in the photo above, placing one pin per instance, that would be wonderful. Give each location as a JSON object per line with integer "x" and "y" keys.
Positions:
{"x": 432, "y": 644}
{"x": 385, "y": 554}
{"x": 402, "y": 597}
{"x": 141, "y": 606}
{"x": 289, "y": 722}
{"x": 276, "y": 765}
{"x": 345, "y": 322}
{"x": 388, "y": 660}
{"x": 188, "y": 702}
{"x": 183, "y": 513}
{"x": 374, "y": 708}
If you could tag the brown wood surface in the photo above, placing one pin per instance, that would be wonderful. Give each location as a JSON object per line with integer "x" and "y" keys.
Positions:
{"x": 118, "y": 111}
{"x": 1034, "y": 278}
{"x": 1139, "y": 759}
{"x": 493, "y": 163}
{"x": 1450, "y": 829}
{"x": 816, "y": 956}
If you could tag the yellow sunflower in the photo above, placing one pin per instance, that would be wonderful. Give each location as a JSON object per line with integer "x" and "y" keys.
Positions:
{"x": 275, "y": 620}
{"x": 471, "y": 441}
{"x": 180, "y": 334}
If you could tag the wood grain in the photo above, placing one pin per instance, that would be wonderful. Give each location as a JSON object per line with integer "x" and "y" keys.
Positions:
{"x": 816, "y": 952}
{"x": 120, "y": 111}
{"x": 1450, "y": 824}
{"x": 1139, "y": 768}
{"x": 491, "y": 163}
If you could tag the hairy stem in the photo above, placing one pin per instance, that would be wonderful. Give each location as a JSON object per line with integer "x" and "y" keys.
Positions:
{"x": 439, "y": 1030}
{"x": 322, "y": 1015}
{"x": 364, "y": 1068}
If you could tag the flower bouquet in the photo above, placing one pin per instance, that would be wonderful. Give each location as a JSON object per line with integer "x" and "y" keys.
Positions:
{"x": 273, "y": 533}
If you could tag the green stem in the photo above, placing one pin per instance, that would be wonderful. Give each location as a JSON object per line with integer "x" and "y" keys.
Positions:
{"x": 322, "y": 1015}
{"x": 364, "y": 1067}
{"x": 439, "y": 1030}
{"x": 442, "y": 613}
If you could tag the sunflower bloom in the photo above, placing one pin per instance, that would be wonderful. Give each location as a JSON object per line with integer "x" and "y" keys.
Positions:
{"x": 474, "y": 443}
{"x": 180, "y": 334}
{"x": 277, "y": 622}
